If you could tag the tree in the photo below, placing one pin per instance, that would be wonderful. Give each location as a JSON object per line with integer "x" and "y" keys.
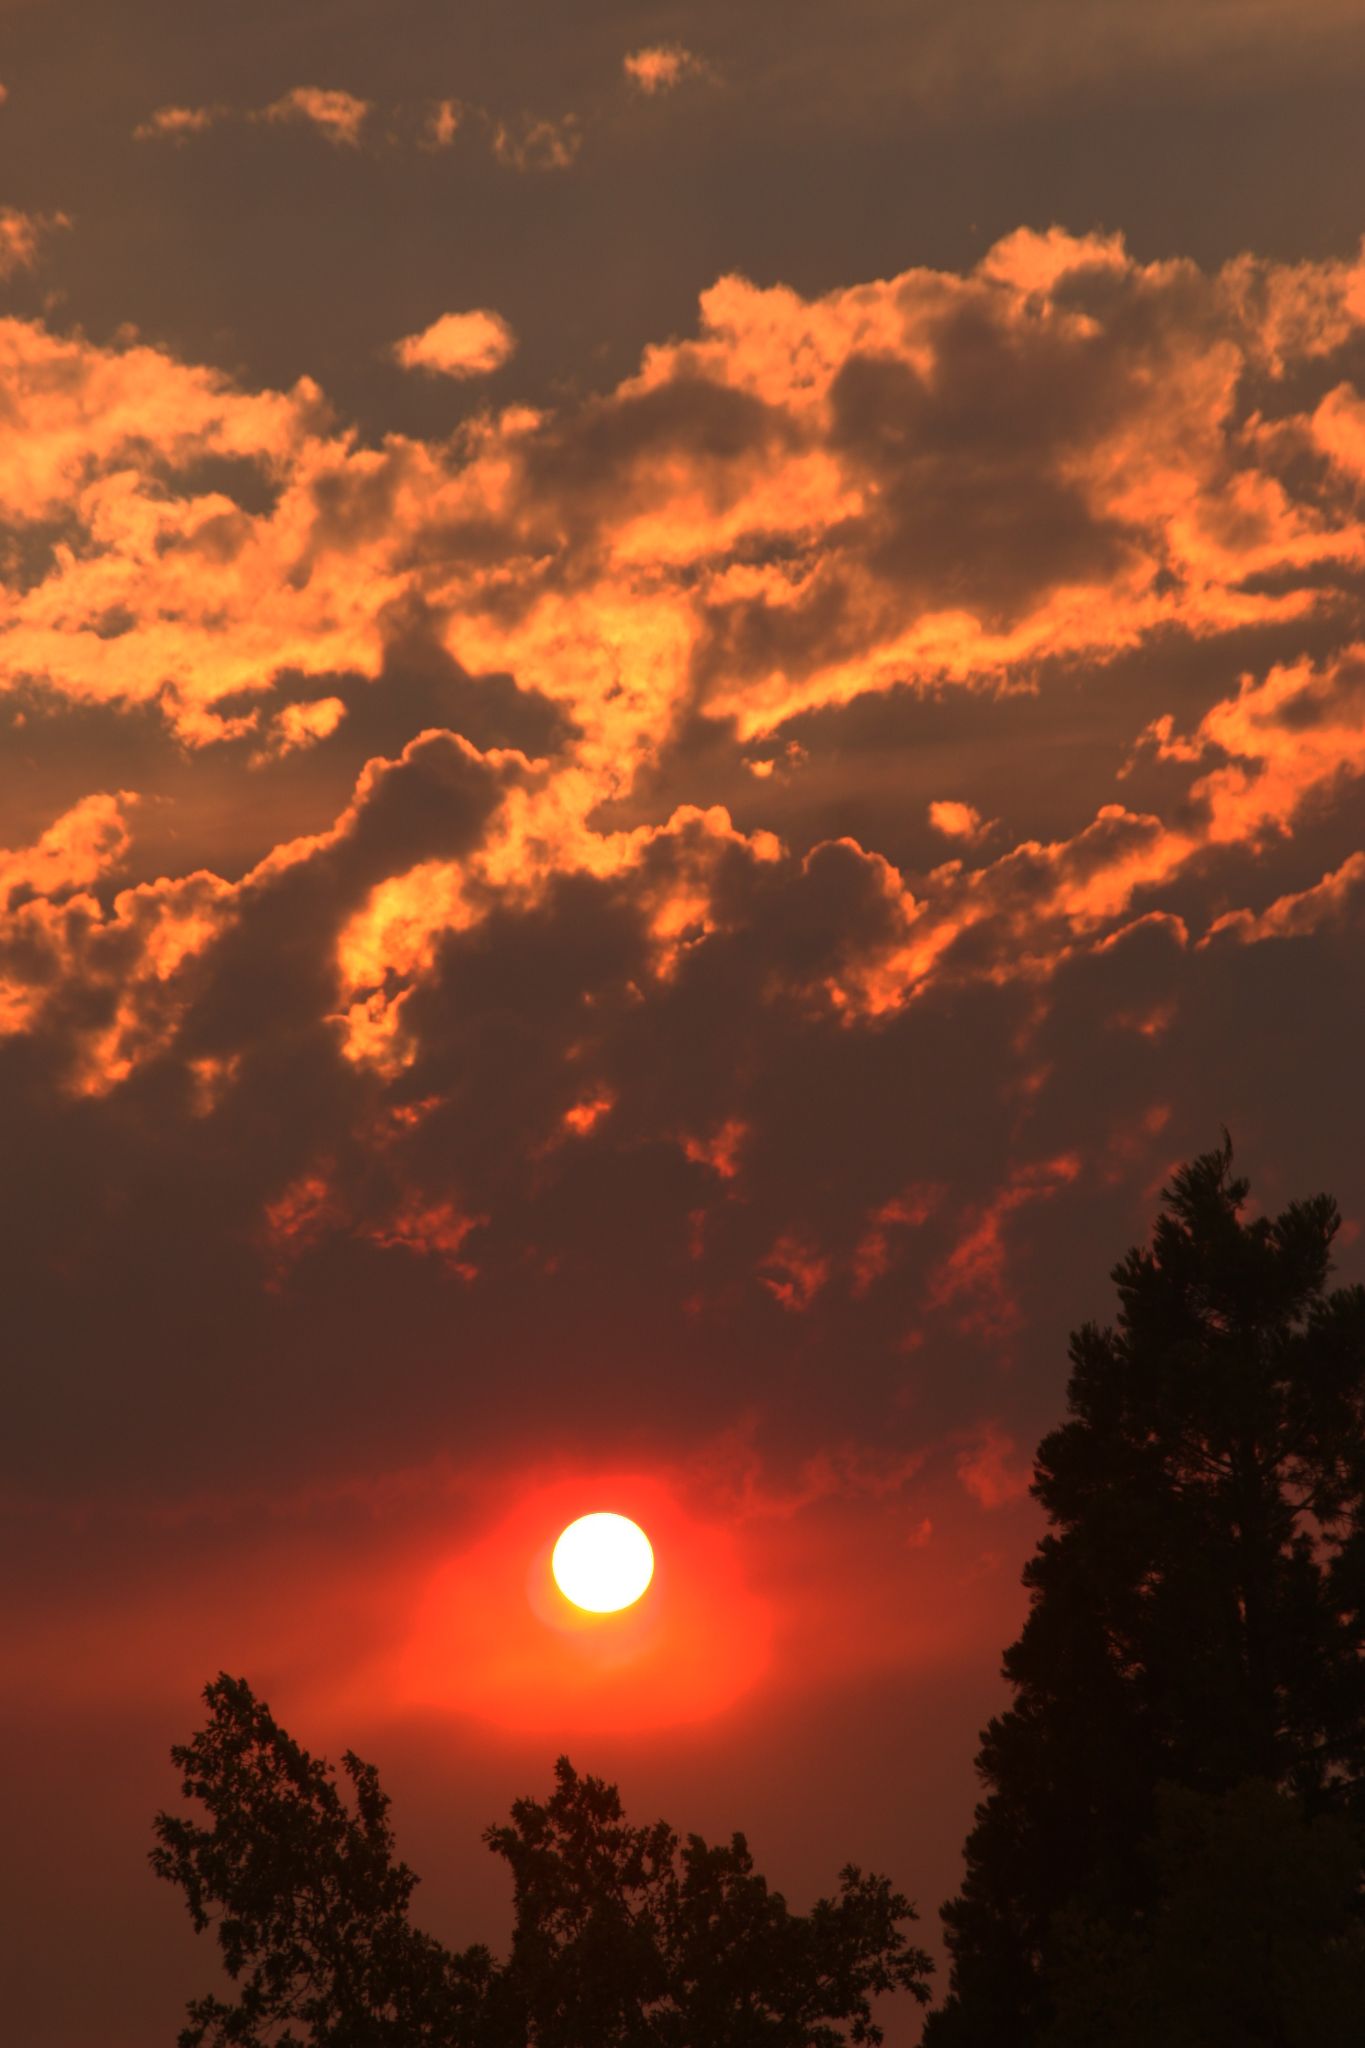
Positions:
{"x": 310, "y": 1908}
{"x": 1197, "y": 1612}
{"x": 624, "y": 1936}
{"x": 628, "y": 1935}
{"x": 1255, "y": 1940}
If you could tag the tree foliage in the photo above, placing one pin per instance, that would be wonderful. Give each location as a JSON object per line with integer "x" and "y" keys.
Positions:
{"x": 629, "y": 1935}
{"x": 624, "y": 1936}
{"x": 1197, "y": 1613}
{"x": 1255, "y": 1939}
{"x": 308, "y": 1904}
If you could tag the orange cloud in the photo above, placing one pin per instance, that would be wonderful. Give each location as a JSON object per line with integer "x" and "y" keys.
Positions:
{"x": 992, "y": 1470}
{"x": 739, "y": 527}
{"x": 22, "y": 236}
{"x": 128, "y": 963}
{"x": 302, "y": 725}
{"x": 83, "y": 844}
{"x": 442, "y": 124}
{"x": 176, "y": 124}
{"x": 794, "y": 1271}
{"x": 906, "y": 1211}
{"x": 433, "y": 1229}
{"x": 957, "y": 820}
{"x": 536, "y": 142}
{"x": 338, "y": 115}
{"x": 584, "y": 1116}
{"x": 458, "y": 345}
{"x": 721, "y": 1151}
{"x": 1298, "y": 914}
{"x": 659, "y": 67}
{"x": 973, "y": 1276}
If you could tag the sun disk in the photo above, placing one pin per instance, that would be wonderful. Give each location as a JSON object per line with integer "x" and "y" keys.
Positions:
{"x": 603, "y": 1562}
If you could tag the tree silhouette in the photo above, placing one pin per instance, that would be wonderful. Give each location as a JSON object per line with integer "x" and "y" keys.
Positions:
{"x": 628, "y": 1935}
{"x": 624, "y": 1936}
{"x": 1198, "y": 1605}
{"x": 1255, "y": 1940}
{"x": 309, "y": 1906}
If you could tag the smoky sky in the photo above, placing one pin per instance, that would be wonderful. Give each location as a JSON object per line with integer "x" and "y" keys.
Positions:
{"x": 683, "y": 693}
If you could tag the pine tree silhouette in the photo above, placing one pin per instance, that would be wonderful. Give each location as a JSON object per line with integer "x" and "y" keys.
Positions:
{"x": 1198, "y": 1605}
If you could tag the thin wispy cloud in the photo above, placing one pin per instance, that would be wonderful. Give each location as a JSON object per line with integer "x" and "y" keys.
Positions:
{"x": 23, "y": 236}
{"x": 176, "y": 124}
{"x": 536, "y": 142}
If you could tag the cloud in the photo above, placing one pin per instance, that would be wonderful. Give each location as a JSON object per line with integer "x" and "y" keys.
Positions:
{"x": 442, "y": 124}
{"x": 1298, "y": 914}
{"x": 527, "y": 972}
{"x": 536, "y": 142}
{"x": 521, "y": 141}
{"x": 340, "y": 116}
{"x": 660, "y": 67}
{"x": 22, "y": 236}
{"x": 303, "y": 725}
{"x": 976, "y": 1266}
{"x": 957, "y": 820}
{"x": 992, "y": 1470}
{"x": 458, "y": 345}
{"x": 738, "y": 533}
{"x": 74, "y": 851}
{"x": 337, "y": 115}
{"x": 176, "y": 124}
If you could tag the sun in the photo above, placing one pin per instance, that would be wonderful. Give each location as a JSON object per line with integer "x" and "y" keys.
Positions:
{"x": 603, "y": 1562}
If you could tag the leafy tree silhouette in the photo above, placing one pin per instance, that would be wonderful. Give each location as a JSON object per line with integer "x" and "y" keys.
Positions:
{"x": 309, "y": 1906}
{"x": 1198, "y": 1606}
{"x": 624, "y": 1937}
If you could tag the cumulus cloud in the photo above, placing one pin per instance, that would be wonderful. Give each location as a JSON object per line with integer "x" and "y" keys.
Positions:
{"x": 938, "y": 482}
{"x": 518, "y": 983}
{"x": 302, "y": 725}
{"x": 458, "y": 345}
{"x": 957, "y": 820}
{"x": 74, "y": 850}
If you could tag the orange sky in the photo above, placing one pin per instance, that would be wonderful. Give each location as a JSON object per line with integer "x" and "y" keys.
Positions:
{"x": 683, "y": 691}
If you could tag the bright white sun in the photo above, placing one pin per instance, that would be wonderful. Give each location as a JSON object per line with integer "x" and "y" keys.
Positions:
{"x": 602, "y": 1562}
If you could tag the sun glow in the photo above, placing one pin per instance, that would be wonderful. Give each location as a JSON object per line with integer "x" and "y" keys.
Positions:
{"x": 493, "y": 1633}
{"x": 603, "y": 1562}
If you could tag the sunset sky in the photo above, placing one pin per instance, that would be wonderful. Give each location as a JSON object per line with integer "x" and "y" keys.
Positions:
{"x": 683, "y": 692}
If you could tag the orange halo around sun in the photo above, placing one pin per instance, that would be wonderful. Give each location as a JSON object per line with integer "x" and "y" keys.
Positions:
{"x": 495, "y": 1635}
